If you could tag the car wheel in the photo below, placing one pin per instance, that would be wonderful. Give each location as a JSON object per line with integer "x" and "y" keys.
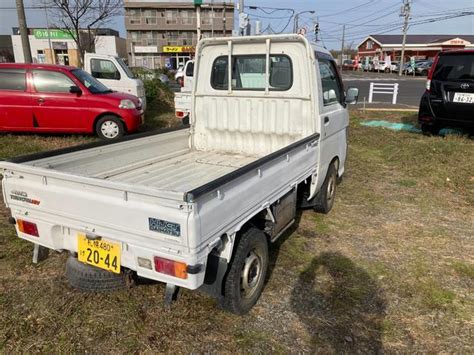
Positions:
{"x": 387, "y": 70}
{"x": 110, "y": 127}
{"x": 247, "y": 272}
{"x": 327, "y": 194}
{"x": 424, "y": 73}
{"x": 429, "y": 130}
{"x": 92, "y": 279}
{"x": 180, "y": 81}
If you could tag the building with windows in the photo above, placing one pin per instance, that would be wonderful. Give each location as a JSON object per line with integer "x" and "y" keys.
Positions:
{"x": 6, "y": 49}
{"x": 165, "y": 33}
{"x": 56, "y": 46}
{"x": 418, "y": 46}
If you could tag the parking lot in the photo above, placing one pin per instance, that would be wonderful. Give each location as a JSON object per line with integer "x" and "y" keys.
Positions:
{"x": 388, "y": 270}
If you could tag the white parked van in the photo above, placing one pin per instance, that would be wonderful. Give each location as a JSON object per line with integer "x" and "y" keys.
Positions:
{"x": 115, "y": 74}
{"x": 199, "y": 206}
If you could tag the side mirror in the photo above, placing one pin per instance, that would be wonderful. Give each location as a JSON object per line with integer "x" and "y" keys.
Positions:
{"x": 352, "y": 96}
{"x": 75, "y": 90}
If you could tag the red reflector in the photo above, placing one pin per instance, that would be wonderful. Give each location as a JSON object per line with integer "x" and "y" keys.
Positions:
{"x": 27, "y": 228}
{"x": 179, "y": 114}
{"x": 170, "y": 267}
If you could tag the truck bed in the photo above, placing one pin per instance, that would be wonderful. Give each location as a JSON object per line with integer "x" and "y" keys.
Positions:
{"x": 162, "y": 162}
{"x": 183, "y": 172}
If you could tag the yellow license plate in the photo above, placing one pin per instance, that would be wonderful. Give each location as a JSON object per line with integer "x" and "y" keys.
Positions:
{"x": 99, "y": 253}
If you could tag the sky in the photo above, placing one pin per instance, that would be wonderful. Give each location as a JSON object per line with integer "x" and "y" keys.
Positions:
{"x": 362, "y": 17}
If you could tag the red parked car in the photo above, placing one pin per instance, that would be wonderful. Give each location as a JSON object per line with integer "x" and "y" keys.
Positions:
{"x": 56, "y": 98}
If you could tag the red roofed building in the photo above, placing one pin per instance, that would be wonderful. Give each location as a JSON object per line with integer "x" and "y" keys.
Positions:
{"x": 418, "y": 46}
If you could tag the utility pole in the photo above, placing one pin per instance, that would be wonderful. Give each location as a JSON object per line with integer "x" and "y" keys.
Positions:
{"x": 342, "y": 45}
{"x": 212, "y": 18}
{"x": 198, "y": 22}
{"x": 224, "y": 19}
{"x": 53, "y": 59}
{"x": 295, "y": 23}
{"x": 242, "y": 19}
{"x": 25, "y": 42}
{"x": 406, "y": 14}
{"x": 241, "y": 6}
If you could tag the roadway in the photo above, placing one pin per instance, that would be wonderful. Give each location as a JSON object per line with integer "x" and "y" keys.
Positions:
{"x": 410, "y": 89}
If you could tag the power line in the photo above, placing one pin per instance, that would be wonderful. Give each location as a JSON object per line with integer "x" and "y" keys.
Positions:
{"x": 350, "y": 9}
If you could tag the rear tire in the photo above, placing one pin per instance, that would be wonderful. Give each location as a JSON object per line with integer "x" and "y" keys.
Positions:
{"x": 429, "y": 130}
{"x": 109, "y": 128}
{"x": 247, "y": 272}
{"x": 327, "y": 194}
{"x": 91, "y": 279}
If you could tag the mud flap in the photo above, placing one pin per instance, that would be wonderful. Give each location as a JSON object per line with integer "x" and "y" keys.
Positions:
{"x": 40, "y": 253}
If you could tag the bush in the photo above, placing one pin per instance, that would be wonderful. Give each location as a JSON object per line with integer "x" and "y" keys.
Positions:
{"x": 160, "y": 104}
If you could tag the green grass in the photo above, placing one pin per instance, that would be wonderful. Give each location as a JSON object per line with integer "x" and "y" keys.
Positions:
{"x": 388, "y": 270}
{"x": 464, "y": 269}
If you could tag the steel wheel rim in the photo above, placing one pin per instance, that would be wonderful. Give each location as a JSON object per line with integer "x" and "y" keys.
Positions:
{"x": 331, "y": 188}
{"x": 251, "y": 275}
{"x": 110, "y": 129}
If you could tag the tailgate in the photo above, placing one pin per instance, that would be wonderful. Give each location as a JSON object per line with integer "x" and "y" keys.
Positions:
{"x": 452, "y": 93}
{"x": 182, "y": 101}
{"x": 67, "y": 204}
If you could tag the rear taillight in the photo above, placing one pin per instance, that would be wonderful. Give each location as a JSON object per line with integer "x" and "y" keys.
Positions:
{"x": 171, "y": 267}
{"x": 27, "y": 227}
{"x": 428, "y": 84}
{"x": 179, "y": 114}
{"x": 430, "y": 74}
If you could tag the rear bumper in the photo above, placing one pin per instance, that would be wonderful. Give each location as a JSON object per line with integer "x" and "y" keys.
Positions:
{"x": 426, "y": 116}
{"x": 62, "y": 238}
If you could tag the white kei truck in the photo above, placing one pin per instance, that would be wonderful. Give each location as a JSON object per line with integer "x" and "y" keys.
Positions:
{"x": 183, "y": 98}
{"x": 112, "y": 71}
{"x": 196, "y": 207}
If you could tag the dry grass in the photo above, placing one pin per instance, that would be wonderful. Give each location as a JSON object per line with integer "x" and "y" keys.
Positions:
{"x": 389, "y": 269}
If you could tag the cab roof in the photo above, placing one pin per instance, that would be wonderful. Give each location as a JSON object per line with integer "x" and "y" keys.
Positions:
{"x": 292, "y": 37}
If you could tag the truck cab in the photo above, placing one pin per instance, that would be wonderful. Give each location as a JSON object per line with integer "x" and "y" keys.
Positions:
{"x": 115, "y": 74}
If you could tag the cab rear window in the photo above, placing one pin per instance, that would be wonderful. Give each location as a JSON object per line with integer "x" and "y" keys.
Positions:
{"x": 458, "y": 67}
{"x": 12, "y": 79}
{"x": 248, "y": 73}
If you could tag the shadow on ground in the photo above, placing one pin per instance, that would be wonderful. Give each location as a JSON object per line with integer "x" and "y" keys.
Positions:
{"x": 340, "y": 305}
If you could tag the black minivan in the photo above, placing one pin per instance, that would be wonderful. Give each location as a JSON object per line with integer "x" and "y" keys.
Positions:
{"x": 449, "y": 96}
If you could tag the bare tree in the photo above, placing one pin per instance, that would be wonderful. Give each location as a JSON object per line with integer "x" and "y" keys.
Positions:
{"x": 82, "y": 18}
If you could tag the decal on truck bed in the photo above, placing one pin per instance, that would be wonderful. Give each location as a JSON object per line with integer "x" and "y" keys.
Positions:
{"x": 23, "y": 197}
{"x": 165, "y": 227}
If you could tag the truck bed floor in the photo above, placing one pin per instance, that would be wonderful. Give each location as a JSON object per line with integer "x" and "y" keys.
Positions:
{"x": 183, "y": 172}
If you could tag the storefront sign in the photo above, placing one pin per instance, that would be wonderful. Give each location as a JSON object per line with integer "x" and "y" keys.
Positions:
{"x": 53, "y": 34}
{"x": 145, "y": 49}
{"x": 178, "y": 49}
{"x": 60, "y": 45}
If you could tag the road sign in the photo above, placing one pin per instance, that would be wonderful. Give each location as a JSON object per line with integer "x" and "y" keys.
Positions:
{"x": 53, "y": 34}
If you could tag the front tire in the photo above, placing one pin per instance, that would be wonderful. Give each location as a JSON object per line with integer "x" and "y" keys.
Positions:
{"x": 247, "y": 272}
{"x": 326, "y": 196}
{"x": 109, "y": 128}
